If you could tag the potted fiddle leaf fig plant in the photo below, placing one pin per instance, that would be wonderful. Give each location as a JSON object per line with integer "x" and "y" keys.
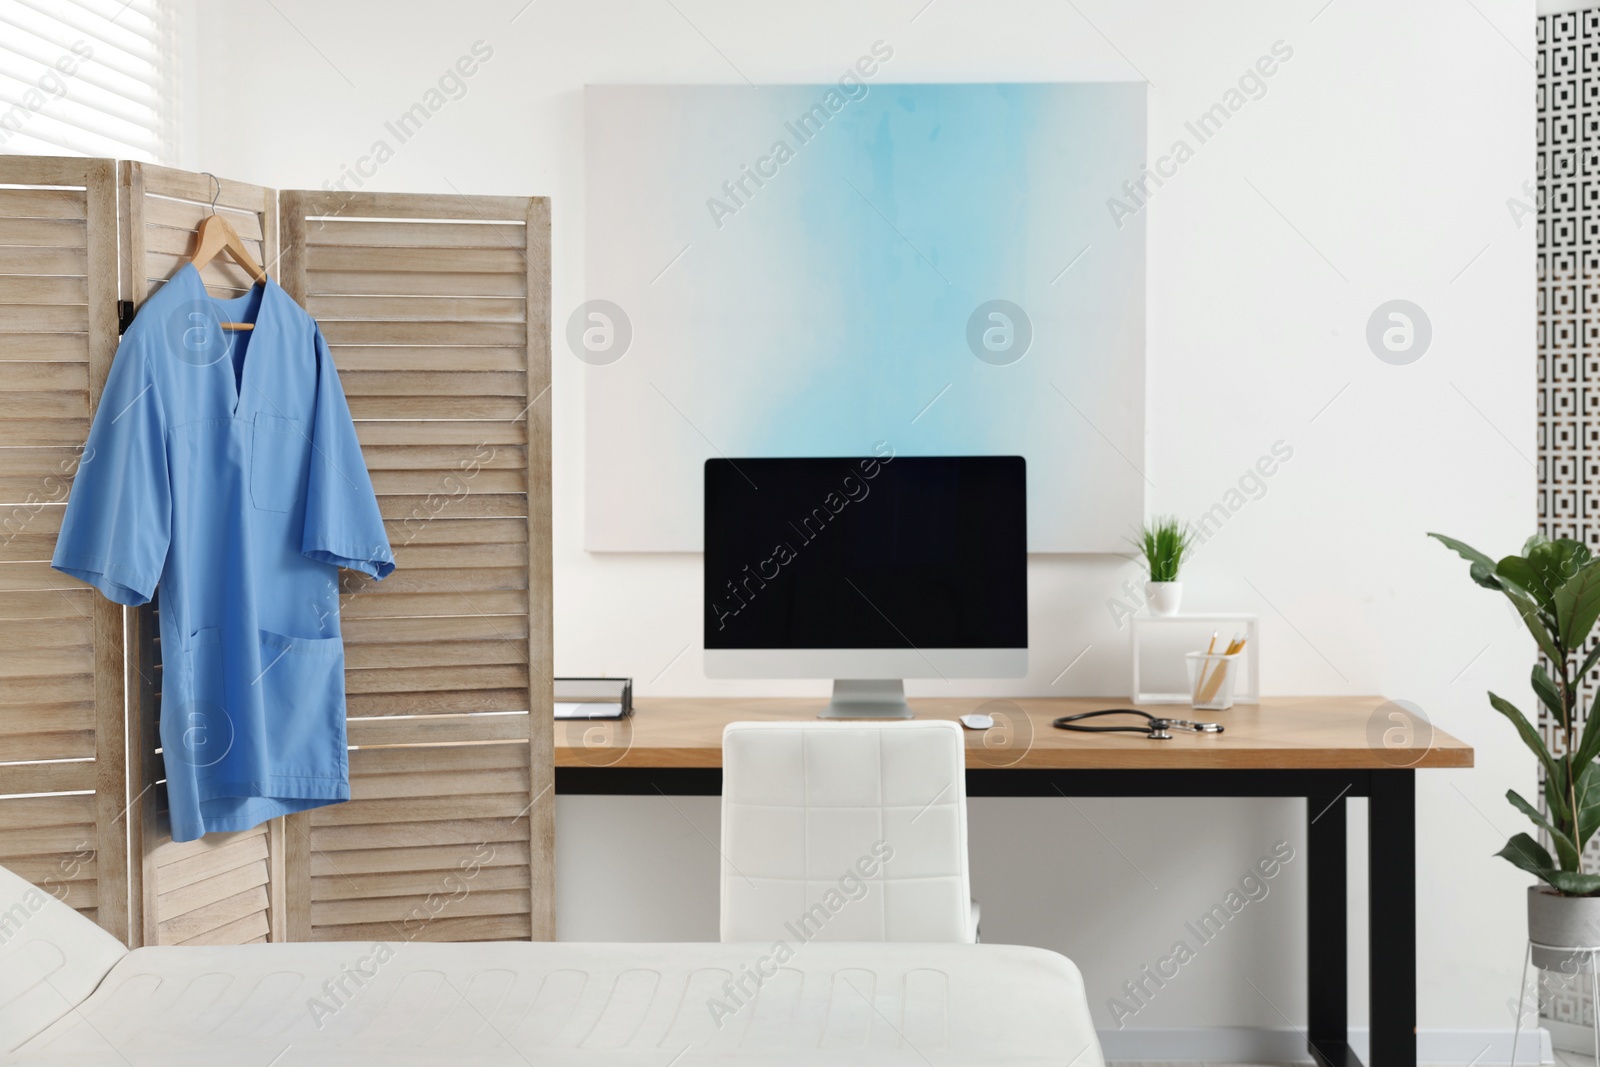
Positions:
{"x": 1554, "y": 587}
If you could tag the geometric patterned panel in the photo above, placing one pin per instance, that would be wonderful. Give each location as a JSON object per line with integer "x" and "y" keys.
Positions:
{"x": 1568, "y": 265}
{"x": 1568, "y": 176}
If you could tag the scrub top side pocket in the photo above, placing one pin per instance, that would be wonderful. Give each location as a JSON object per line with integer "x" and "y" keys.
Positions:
{"x": 196, "y": 729}
{"x": 278, "y": 453}
{"x": 302, "y": 695}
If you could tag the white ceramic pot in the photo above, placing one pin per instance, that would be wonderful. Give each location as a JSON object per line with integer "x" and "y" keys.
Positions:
{"x": 1563, "y": 923}
{"x": 1163, "y": 597}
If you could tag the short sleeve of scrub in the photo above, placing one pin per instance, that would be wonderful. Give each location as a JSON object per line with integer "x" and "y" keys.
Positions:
{"x": 343, "y": 526}
{"x": 118, "y": 522}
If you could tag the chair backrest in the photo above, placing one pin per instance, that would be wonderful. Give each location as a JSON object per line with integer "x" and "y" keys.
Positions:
{"x": 844, "y": 831}
{"x": 51, "y": 959}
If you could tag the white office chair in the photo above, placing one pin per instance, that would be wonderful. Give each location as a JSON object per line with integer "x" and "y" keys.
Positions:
{"x": 845, "y": 831}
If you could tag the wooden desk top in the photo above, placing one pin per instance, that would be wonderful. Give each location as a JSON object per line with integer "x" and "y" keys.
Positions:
{"x": 1341, "y": 733}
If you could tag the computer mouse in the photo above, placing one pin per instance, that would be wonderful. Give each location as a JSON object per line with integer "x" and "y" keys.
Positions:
{"x": 977, "y": 722}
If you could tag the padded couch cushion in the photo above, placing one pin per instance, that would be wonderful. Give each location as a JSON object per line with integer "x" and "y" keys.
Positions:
{"x": 51, "y": 959}
{"x": 565, "y": 1004}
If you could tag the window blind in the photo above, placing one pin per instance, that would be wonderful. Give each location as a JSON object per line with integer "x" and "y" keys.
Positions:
{"x": 87, "y": 78}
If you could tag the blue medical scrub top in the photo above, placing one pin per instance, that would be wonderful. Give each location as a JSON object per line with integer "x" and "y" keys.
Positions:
{"x": 223, "y": 466}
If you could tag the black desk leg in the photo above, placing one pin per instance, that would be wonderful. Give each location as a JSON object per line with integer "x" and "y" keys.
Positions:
{"x": 1327, "y": 931}
{"x": 1392, "y": 896}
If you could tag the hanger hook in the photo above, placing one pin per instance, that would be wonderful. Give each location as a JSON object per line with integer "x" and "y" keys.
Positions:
{"x": 217, "y": 189}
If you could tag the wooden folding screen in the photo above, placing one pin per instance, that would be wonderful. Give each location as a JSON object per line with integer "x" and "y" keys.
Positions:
{"x": 62, "y": 782}
{"x": 437, "y": 312}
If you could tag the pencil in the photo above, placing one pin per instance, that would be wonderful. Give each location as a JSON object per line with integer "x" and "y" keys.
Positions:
{"x": 1205, "y": 664}
{"x": 1209, "y": 690}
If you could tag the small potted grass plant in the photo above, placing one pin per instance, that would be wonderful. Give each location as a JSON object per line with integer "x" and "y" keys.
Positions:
{"x": 1554, "y": 587}
{"x": 1165, "y": 543}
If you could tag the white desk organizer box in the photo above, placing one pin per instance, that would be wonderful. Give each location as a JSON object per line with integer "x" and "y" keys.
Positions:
{"x": 1226, "y": 625}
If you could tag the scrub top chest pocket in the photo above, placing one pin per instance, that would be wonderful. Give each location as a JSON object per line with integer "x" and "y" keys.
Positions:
{"x": 278, "y": 454}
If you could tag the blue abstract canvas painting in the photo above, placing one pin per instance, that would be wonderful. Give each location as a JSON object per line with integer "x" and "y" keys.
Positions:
{"x": 825, "y": 270}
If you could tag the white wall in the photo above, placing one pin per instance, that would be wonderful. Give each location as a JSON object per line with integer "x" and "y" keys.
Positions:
{"x": 1377, "y": 166}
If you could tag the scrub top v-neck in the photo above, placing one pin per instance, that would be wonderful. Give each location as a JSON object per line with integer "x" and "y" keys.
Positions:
{"x": 235, "y": 343}
{"x": 223, "y": 467}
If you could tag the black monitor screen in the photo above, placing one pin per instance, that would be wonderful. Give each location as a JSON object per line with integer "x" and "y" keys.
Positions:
{"x": 882, "y": 552}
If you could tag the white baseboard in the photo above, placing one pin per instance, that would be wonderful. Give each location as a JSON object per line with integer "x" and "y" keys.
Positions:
{"x": 1570, "y": 1037}
{"x": 1235, "y": 1044}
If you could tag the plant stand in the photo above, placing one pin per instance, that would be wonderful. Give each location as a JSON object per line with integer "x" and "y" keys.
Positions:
{"x": 1594, "y": 989}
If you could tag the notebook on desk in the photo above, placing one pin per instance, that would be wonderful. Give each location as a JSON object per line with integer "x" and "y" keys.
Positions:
{"x": 593, "y": 698}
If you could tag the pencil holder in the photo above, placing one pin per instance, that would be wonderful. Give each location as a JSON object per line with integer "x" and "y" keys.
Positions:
{"x": 1211, "y": 680}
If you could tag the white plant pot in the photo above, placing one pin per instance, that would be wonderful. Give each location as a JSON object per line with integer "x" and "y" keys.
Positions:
{"x": 1563, "y": 923}
{"x": 1163, "y": 597}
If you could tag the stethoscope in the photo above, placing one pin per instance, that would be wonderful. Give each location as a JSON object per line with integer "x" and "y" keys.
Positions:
{"x": 1156, "y": 729}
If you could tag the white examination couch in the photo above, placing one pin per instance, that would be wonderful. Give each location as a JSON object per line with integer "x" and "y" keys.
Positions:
{"x": 71, "y": 994}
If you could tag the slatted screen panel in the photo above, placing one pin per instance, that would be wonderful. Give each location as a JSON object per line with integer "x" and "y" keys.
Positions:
{"x": 62, "y": 780}
{"x": 437, "y": 312}
{"x": 213, "y": 891}
{"x": 216, "y": 890}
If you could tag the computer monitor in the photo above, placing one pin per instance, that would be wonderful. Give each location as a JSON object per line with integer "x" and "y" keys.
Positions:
{"x": 867, "y": 571}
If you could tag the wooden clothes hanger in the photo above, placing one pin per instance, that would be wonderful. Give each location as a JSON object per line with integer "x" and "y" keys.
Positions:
{"x": 216, "y": 234}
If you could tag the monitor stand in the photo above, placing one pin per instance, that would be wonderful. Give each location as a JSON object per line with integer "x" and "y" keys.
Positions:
{"x": 860, "y": 698}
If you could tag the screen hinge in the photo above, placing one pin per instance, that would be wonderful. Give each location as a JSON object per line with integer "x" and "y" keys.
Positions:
{"x": 124, "y": 316}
